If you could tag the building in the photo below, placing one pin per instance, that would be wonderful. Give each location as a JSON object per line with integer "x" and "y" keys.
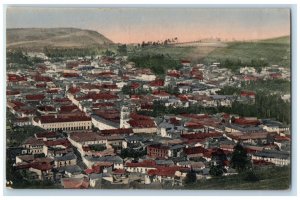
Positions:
{"x": 157, "y": 151}
{"x": 279, "y": 158}
{"x": 64, "y": 123}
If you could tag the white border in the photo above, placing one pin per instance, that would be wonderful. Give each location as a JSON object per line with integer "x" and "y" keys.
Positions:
{"x": 166, "y": 3}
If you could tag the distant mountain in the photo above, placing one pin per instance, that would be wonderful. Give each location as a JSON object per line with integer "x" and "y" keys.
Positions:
{"x": 38, "y": 38}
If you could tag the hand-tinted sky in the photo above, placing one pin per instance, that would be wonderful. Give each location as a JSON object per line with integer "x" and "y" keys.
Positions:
{"x": 127, "y": 25}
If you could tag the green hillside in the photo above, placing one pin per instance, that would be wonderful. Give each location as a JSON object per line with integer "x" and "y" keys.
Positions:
{"x": 39, "y": 38}
{"x": 274, "y": 51}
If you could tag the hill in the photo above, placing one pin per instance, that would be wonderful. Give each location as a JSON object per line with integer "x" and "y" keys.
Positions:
{"x": 275, "y": 51}
{"x": 38, "y": 38}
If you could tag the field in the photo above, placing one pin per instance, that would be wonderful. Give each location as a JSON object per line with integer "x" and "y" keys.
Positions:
{"x": 275, "y": 178}
{"x": 190, "y": 51}
{"x": 273, "y": 51}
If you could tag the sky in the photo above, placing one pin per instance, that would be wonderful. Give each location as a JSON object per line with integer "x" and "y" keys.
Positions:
{"x": 134, "y": 25}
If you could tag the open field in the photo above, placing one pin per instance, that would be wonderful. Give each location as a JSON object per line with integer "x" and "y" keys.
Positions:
{"x": 274, "y": 51}
{"x": 275, "y": 178}
{"x": 188, "y": 51}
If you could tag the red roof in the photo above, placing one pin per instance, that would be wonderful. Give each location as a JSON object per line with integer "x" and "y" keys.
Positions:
{"x": 135, "y": 85}
{"x": 195, "y": 116}
{"x": 250, "y": 78}
{"x": 109, "y": 86}
{"x": 43, "y": 164}
{"x": 262, "y": 162}
{"x": 18, "y": 103}
{"x": 42, "y": 78}
{"x": 41, "y": 85}
{"x": 146, "y": 106}
{"x": 69, "y": 75}
{"x": 166, "y": 171}
{"x": 183, "y": 97}
{"x": 281, "y": 138}
{"x": 117, "y": 131}
{"x": 195, "y": 150}
{"x": 73, "y": 90}
{"x": 141, "y": 121}
{"x": 12, "y": 92}
{"x": 46, "y": 108}
{"x": 242, "y": 121}
{"x": 16, "y": 78}
{"x": 106, "y": 74}
{"x": 247, "y": 93}
{"x": 63, "y": 142}
{"x": 194, "y": 125}
{"x": 46, "y": 135}
{"x": 185, "y": 62}
{"x": 157, "y": 83}
{"x": 145, "y": 163}
{"x": 276, "y": 75}
{"x": 160, "y": 93}
{"x": 22, "y": 119}
{"x": 53, "y": 119}
{"x": 201, "y": 135}
{"x": 119, "y": 171}
{"x": 35, "y": 97}
{"x": 68, "y": 108}
{"x": 174, "y": 73}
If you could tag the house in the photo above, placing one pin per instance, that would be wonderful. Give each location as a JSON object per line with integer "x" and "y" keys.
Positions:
{"x": 185, "y": 63}
{"x": 70, "y": 171}
{"x": 46, "y": 136}
{"x": 161, "y": 95}
{"x": 33, "y": 146}
{"x": 82, "y": 139}
{"x": 279, "y": 158}
{"x": 140, "y": 167}
{"x": 106, "y": 119}
{"x": 65, "y": 160}
{"x": 167, "y": 175}
{"x": 157, "y": 151}
{"x": 22, "y": 121}
{"x": 90, "y": 161}
{"x": 57, "y": 147}
{"x": 43, "y": 168}
{"x": 273, "y": 126}
{"x": 142, "y": 124}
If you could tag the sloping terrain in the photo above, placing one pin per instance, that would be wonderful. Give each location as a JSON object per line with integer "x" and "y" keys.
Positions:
{"x": 38, "y": 38}
{"x": 274, "y": 51}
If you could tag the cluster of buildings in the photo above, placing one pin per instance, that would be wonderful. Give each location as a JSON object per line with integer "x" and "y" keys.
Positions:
{"x": 95, "y": 134}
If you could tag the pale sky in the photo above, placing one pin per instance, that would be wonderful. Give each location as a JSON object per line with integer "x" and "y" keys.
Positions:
{"x": 132, "y": 25}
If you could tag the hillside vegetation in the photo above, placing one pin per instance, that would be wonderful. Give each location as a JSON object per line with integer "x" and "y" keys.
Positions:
{"x": 39, "y": 38}
{"x": 274, "y": 51}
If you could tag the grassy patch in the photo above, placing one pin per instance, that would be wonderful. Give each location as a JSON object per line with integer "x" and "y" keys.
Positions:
{"x": 272, "y": 51}
{"x": 274, "y": 178}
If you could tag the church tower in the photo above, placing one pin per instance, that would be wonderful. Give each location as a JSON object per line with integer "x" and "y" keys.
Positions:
{"x": 124, "y": 117}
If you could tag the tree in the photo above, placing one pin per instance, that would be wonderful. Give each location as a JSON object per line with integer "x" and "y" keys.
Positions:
{"x": 239, "y": 159}
{"x": 216, "y": 170}
{"x": 190, "y": 177}
{"x": 122, "y": 50}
